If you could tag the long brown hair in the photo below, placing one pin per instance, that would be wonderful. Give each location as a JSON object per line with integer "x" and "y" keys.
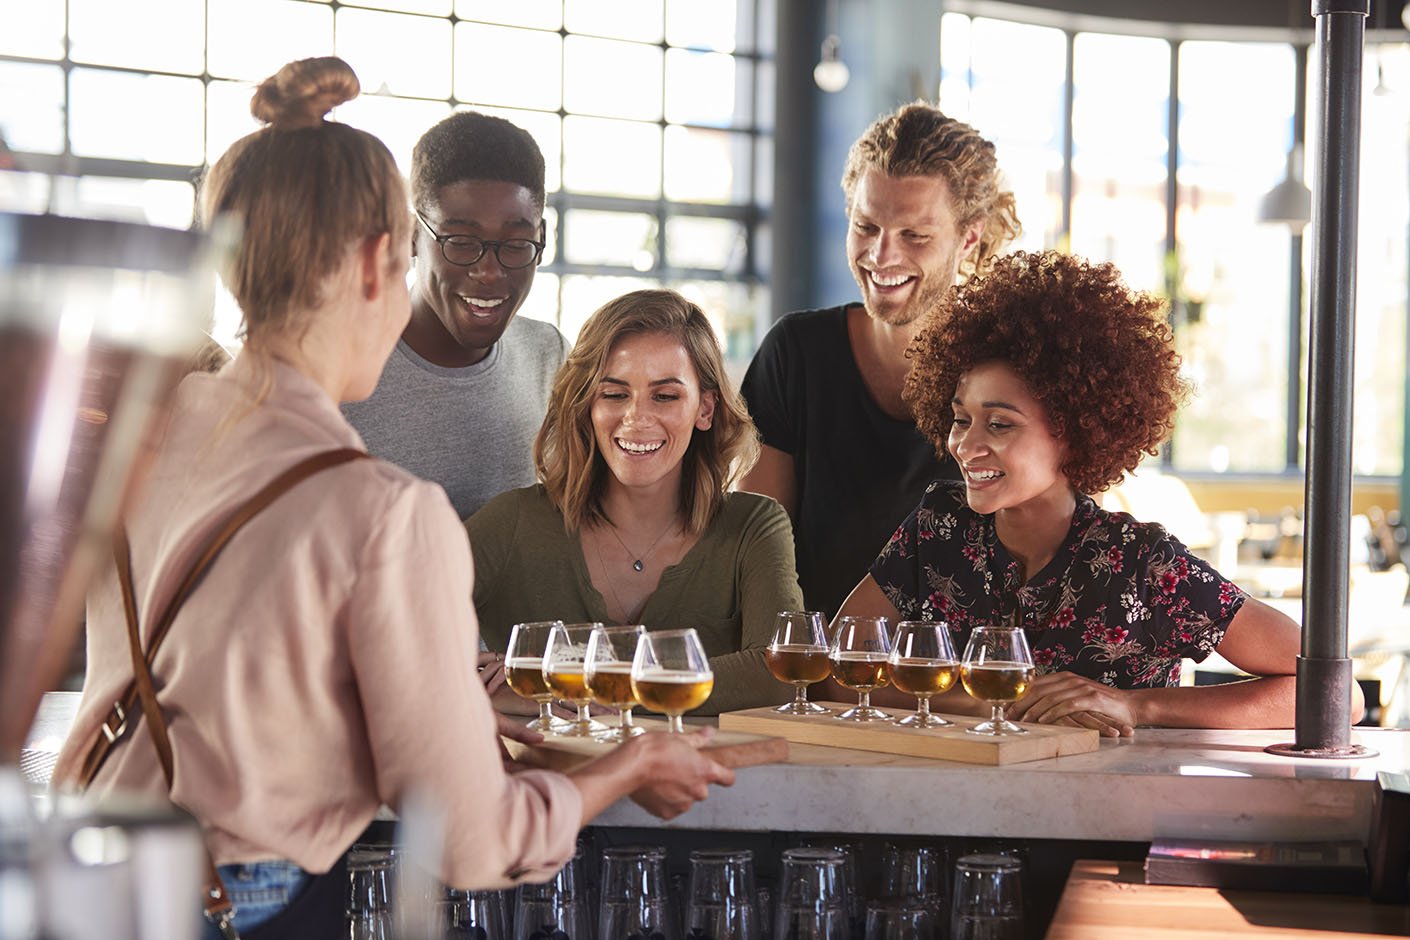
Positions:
{"x": 302, "y": 189}
{"x": 565, "y": 451}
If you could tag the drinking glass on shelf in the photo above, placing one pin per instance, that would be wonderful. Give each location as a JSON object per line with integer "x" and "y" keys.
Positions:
{"x": 988, "y": 899}
{"x": 916, "y": 875}
{"x": 998, "y": 669}
{"x": 812, "y": 898}
{"x": 634, "y": 900}
{"x": 858, "y": 659}
{"x": 473, "y": 915}
{"x": 923, "y": 664}
{"x": 797, "y": 654}
{"x": 608, "y": 670}
{"x": 523, "y": 672}
{"x": 563, "y": 669}
{"x": 556, "y": 909}
{"x": 371, "y": 874}
{"x": 671, "y": 674}
{"x": 722, "y": 896}
{"x": 900, "y": 920}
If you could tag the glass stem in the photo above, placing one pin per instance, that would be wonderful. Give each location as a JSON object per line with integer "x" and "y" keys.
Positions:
{"x": 546, "y": 713}
{"x": 864, "y": 699}
{"x": 800, "y": 694}
{"x": 626, "y": 722}
{"x": 998, "y": 717}
{"x": 923, "y": 706}
{"x": 674, "y": 723}
{"x": 584, "y": 718}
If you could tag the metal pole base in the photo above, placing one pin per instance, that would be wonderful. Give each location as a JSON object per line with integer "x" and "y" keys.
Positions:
{"x": 1345, "y": 752}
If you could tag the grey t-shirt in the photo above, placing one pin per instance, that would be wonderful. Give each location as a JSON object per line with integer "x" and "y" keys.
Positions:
{"x": 469, "y": 429}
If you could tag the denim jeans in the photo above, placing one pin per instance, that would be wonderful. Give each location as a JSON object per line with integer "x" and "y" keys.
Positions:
{"x": 259, "y": 890}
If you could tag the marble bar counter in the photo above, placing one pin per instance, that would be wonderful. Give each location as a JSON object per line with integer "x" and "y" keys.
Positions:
{"x": 1161, "y": 782}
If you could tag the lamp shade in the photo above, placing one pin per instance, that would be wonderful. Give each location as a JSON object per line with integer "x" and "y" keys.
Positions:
{"x": 1290, "y": 202}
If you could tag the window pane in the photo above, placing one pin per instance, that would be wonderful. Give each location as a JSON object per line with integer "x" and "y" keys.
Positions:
{"x": 1230, "y": 274}
{"x": 107, "y": 108}
{"x": 707, "y": 166}
{"x": 1382, "y": 284}
{"x": 396, "y": 54}
{"x": 252, "y": 39}
{"x": 550, "y": 235}
{"x": 706, "y": 24}
{"x": 1119, "y": 167}
{"x": 541, "y": 14}
{"x": 582, "y": 295}
{"x": 619, "y": 19}
{"x": 154, "y": 202}
{"x": 542, "y": 302}
{"x": 32, "y": 107}
{"x": 546, "y": 129}
{"x": 735, "y": 311}
{"x": 121, "y": 32}
{"x": 708, "y": 88}
{"x": 428, "y": 7}
{"x": 34, "y": 28}
{"x": 619, "y": 158}
{"x": 708, "y": 244}
{"x": 614, "y": 79}
{"x": 512, "y": 68}
{"x": 24, "y": 192}
{"x": 621, "y": 238}
{"x": 764, "y": 96}
{"x": 1020, "y": 110}
{"x": 228, "y": 116}
{"x": 763, "y": 171}
{"x": 397, "y": 122}
{"x": 955, "y": 39}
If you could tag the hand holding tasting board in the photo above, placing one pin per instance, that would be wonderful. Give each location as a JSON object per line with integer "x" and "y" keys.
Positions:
{"x": 947, "y": 743}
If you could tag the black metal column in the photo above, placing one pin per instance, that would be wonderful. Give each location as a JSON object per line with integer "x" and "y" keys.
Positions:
{"x": 1324, "y": 673}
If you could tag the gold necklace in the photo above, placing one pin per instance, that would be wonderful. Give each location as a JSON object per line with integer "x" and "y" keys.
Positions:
{"x": 638, "y": 561}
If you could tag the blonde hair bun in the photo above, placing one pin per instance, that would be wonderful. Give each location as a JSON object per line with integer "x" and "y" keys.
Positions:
{"x": 301, "y": 93}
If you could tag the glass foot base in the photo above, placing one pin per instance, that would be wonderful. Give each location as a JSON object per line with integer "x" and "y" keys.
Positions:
{"x": 865, "y": 713}
{"x": 925, "y": 721}
{"x": 621, "y": 734}
{"x": 553, "y": 725}
{"x": 996, "y": 728}
{"x": 802, "y": 708}
{"x": 584, "y": 729}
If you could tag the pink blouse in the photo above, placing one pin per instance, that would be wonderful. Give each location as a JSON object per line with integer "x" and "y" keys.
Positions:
{"x": 326, "y": 664}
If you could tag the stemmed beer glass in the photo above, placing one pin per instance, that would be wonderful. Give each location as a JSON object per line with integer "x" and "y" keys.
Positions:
{"x": 672, "y": 674}
{"x": 858, "y": 659}
{"x": 798, "y": 655}
{"x": 523, "y": 672}
{"x": 565, "y": 673}
{"x": 922, "y": 663}
{"x": 998, "y": 669}
{"x": 608, "y": 669}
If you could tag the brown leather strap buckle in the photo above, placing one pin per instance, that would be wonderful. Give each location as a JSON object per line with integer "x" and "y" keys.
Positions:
{"x": 112, "y": 734}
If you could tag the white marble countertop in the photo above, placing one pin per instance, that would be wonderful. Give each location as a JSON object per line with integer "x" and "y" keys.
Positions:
{"x": 1162, "y": 782}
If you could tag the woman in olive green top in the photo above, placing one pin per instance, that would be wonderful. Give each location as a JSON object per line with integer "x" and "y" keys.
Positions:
{"x": 633, "y": 520}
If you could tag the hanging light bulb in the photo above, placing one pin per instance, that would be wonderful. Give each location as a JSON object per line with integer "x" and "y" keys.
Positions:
{"x": 1290, "y": 202}
{"x": 831, "y": 73}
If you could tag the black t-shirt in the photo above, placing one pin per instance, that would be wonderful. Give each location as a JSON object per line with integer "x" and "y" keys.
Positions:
{"x": 859, "y": 471}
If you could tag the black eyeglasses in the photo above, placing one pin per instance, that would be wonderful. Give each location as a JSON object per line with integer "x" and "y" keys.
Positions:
{"x": 465, "y": 250}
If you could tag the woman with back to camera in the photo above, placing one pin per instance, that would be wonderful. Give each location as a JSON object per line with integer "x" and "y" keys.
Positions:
{"x": 1047, "y": 379}
{"x": 633, "y": 520}
{"x": 325, "y": 664}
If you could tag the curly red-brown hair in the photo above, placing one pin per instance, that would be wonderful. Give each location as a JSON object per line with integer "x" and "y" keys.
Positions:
{"x": 1098, "y": 355}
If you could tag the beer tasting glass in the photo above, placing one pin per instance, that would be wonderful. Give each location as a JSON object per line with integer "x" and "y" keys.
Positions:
{"x": 671, "y": 674}
{"x": 858, "y": 660}
{"x": 988, "y": 899}
{"x": 523, "y": 672}
{"x": 722, "y": 896}
{"x": 998, "y": 669}
{"x": 608, "y": 669}
{"x": 922, "y": 664}
{"x": 563, "y": 670}
{"x": 797, "y": 654}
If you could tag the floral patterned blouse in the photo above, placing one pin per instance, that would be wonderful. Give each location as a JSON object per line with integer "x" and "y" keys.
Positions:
{"x": 1122, "y": 602}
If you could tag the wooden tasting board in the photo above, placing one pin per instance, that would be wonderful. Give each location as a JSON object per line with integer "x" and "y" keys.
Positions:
{"x": 951, "y": 743}
{"x": 734, "y": 749}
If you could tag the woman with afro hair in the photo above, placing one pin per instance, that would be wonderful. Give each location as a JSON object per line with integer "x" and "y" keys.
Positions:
{"x": 1046, "y": 380}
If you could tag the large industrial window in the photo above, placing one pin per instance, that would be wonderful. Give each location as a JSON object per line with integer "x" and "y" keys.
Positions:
{"x": 654, "y": 116}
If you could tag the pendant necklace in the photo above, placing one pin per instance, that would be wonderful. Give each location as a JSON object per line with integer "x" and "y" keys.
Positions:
{"x": 639, "y": 561}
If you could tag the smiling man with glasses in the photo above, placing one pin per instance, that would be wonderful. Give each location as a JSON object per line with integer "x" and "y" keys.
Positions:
{"x": 465, "y": 391}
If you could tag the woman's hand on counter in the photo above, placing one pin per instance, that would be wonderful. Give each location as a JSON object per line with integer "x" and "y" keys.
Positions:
{"x": 1069, "y": 699}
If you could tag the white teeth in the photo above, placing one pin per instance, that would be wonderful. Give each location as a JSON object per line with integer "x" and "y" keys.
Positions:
{"x": 632, "y": 447}
{"x": 482, "y": 303}
{"x": 894, "y": 281}
{"x": 983, "y": 476}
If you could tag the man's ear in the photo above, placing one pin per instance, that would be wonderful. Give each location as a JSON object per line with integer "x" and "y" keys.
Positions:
{"x": 970, "y": 238}
{"x": 706, "y": 417}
